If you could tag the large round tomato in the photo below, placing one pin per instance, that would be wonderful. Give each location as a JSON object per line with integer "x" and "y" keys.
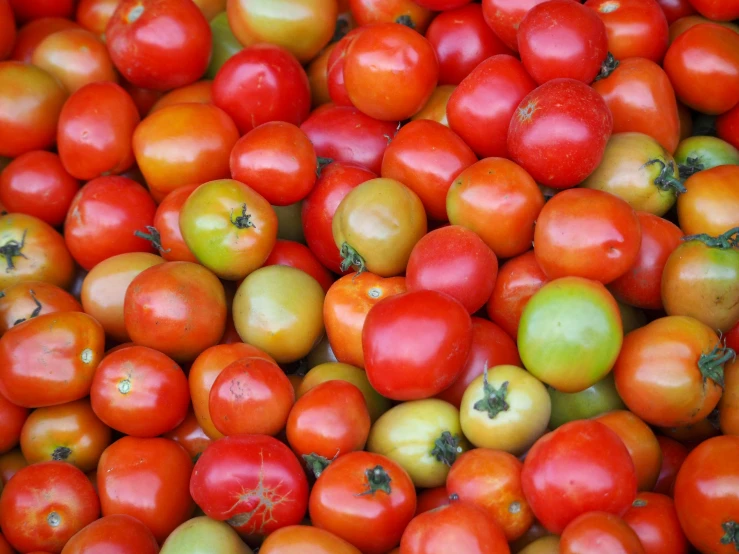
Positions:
{"x": 653, "y": 518}
{"x": 116, "y": 534}
{"x": 711, "y": 204}
{"x": 31, "y": 34}
{"x": 599, "y": 531}
{"x": 204, "y": 534}
{"x": 304, "y": 538}
{"x": 29, "y": 299}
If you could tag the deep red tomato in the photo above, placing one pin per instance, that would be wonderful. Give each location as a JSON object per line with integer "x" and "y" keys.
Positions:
{"x": 390, "y": 71}
{"x": 37, "y": 184}
{"x": 299, "y": 256}
{"x": 190, "y": 435}
{"x": 727, "y": 126}
{"x": 260, "y": 84}
{"x": 12, "y": 418}
{"x": 5, "y": 547}
{"x": 94, "y": 15}
{"x": 717, "y": 10}
{"x": 146, "y": 479}
{"x": 144, "y": 98}
{"x": 168, "y": 237}
{"x": 601, "y": 532}
{"x": 703, "y": 66}
{"x": 114, "y": 534}
{"x": 555, "y": 109}
{"x": 7, "y": 29}
{"x": 32, "y": 33}
{"x": 676, "y": 9}
{"x": 252, "y": 482}
{"x": 462, "y": 40}
{"x": 504, "y": 17}
{"x": 732, "y": 338}
{"x": 673, "y": 456}
{"x": 335, "y": 69}
{"x": 344, "y": 134}
{"x": 581, "y": 467}
{"x": 36, "y": 9}
{"x": 480, "y": 108}
{"x": 277, "y": 160}
{"x": 427, "y": 156}
{"x": 366, "y": 499}
{"x": 654, "y": 519}
{"x": 179, "y": 54}
{"x": 406, "y": 12}
{"x": 430, "y": 499}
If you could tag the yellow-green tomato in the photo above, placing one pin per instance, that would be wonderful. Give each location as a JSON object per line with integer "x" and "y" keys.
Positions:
{"x": 543, "y": 545}
{"x": 423, "y": 436}
{"x": 203, "y": 535}
{"x": 597, "y": 399}
{"x": 280, "y": 310}
{"x": 377, "y": 225}
{"x": 506, "y": 408}
{"x": 289, "y": 222}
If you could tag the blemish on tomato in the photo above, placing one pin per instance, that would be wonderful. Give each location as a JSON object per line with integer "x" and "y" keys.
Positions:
{"x": 609, "y": 7}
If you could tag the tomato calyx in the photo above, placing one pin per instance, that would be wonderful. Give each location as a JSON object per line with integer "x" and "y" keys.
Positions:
{"x": 317, "y": 464}
{"x": 731, "y": 533}
{"x": 36, "y": 311}
{"x": 406, "y": 20}
{"x": 61, "y": 453}
{"x": 242, "y": 221}
{"x": 351, "y": 258}
{"x": 639, "y": 503}
{"x": 446, "y": 448}
{"x": 322, "y": 162}
{"x": 493, "y": 400}
{"x": 13, "y": 249}
{"x": 134, "y": 13}
{"x": 666, "y": 179}
{"x": 377, "y": 480}
{"x": 711, "y": 365}
{"x": 153, "y": 236}
{"x": 726, "y": 241}
{"x": 608, "y": 66}
{"x": 692, "y": 165}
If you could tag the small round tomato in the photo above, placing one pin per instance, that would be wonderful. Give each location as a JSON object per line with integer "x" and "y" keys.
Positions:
{"x": 178, "y": 58}
{"x": 199, "y": 92}
{"x": 117, "y": 534}
{"x": 491, "y": 480}
{"x": 12, "y": 420}
{"x": 364, "y": 498}
{"x": 299, "y": 256}
{"x": 673, "y": 456}
{"x": 251, "y": 396}
{"x": 597, "y": 399}
{"x": 178, "y": 308}
{"x": 304, "y": 538}
{"x": 29, "y": 299}
{"x": 45, "y": 504}
{"x": 435, "y": 108}
{"x": 166, "y": 236}
{"x": 406, "y": 12}
{"x": 69, "y": 433}
{"x": 599, "y": 531}
{"x": 711, "y": 204}
{"x": 390, "y": 71}
{"x": 190, "y": 435}
{"x": 581, "y": 467}
{"x": 505, "y": 408}
{"x": 504, "y": 18}
{"x": 654, "y": 519}
{"x": 32, "y": 33}
{"x": 36, "y": 183}
{"x": 204, "y": 534}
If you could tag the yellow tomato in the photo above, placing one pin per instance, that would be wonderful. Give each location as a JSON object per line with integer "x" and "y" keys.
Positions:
{"x": 544, "y": 545}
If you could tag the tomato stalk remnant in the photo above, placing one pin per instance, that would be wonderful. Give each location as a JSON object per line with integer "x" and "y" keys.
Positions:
{"x": 351, "y": 258}
{"x": 61, "y": 453}
{"x": 666, "y": 179}
{"x": 244, "y": 220}
{"x": 406, "y": 20}
{"x": 153, "y": 237}
{"x": 377, "y": 480}
{"x": 731, "y": 528}
{"x": 494, "y": 400}
{"x": 321, "y": 163}
{"x": 692, "y": 166}
{"x": 726, "y": 241}
{"x": 446, "y": 448}
{"x": 317, "y": 464}
{"x": 711, "y": 365}
{"x": 13, "y": 249}
{"x": 36, "y": 311}
{"x": 608, "y": 66}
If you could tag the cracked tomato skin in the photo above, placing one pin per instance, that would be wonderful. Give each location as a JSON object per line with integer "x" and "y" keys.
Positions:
{"x": 252, "y": 482}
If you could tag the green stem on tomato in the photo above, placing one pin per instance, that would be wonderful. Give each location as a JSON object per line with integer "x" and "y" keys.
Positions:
{"x": 493, "y": 400}
{"x": 711, "y": 365}
{"x": 377, "y": 480}
{"x": 351, "y": 258}
{"x": 726, "y": 241}
{"x": 446, "y": 448}
{"x": 13, "y": 249}
{"x": 666, "y": 179}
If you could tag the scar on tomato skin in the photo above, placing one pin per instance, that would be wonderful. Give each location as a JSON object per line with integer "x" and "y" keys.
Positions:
{"x": 526, "y": 113}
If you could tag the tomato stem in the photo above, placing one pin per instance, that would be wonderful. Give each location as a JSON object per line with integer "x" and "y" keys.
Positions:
{"x": 406, "y": 20}
{"x": 493, "y": 400}
{"x": 317, "y": 464}
{"x": 321, "y": 163}
{"x": 446, "y": 448}
{"x": 666, "y": 179}
{"x": 711, "y": 365}
{"x": 691, "y": 166}
{"x": 351, "y": 258}
{"x": 61, "y": 453}
{"x": 608, "y": 66}
{"x": 244, "y": 220}
{"x": 13, "y": 249}
{"x": 726, "y": 241}
{"x": 36, "y": 311}
{"x": 377, "y": 480}
{"x": 153, "y": 237}
{"x": 731, "y": 536}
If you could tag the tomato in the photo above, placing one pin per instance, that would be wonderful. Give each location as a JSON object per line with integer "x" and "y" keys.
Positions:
{"x": 676, "y": 9}
{"x": 32, "y": 33}
{"x": 146, "y": 478}
{"x": 458, "y": 525}
{"x": 242, "y": 238}
{"x": 706, "y": 496}
{"x": 703, "y": 65}
{"x": 166, "y": 236}
{"x": 504, "y": 18}
{"x": 694, "y": 434}
{"x": 179, "y": 58}
{"x": 685, "y": 23}
{"x": 5, "y": 546}
{"x": 435, "y": 108}
{"x": 597, "y": 399}
{"x": 317, "y": 72}
{"x": 673, "y": 456}
{"x": 30, "y": 113}
{"x": 225, "y": 44}
{"x": 654, "y": 519}
{"x": 95, "y": 130}
{"x": 29, "y": 299}
{"x": 202, "y": 534}
{"x": 36, "y": 183}
{"x": 364, "y": 498}
{"x": 259, "y": 76}
{"x": 10, "y": 463}
{"x": 491, "y": 480}
{"x": 144, "y": 98}
{"x": 7, "y": 29}
{"x": 12, "y": 421}
{"x": 390, "y": 71}
{"x": 430, "y": 499}
{"x": 698, "y": 153}
{"x": 289, "y": 224}
{"x": 682, "y": 385}
{"x": 602, "y": 531}
{"x": 299, "y": 256}
{"x": 69, "y": 432}
{"x": 548, "y": 544}
{"x": 727, "y": 126}
{"x": 304, "y": 538}
{"x": 405, "y": 12}
{"x": 641, "y": 285}
{"x": 481, "y": 107}
{"x": 199, "y": 92}
{"x": 182, "y": 145}
{"x": 335, "y": 69}
{"x": 701, "y": 280}
{"x": 718, "y": 11}
{"x": 45, "y": 504}
{"x": 114, "y": 534}
{"x": 36, "y": 9}
{"x": 265, "y": 478}
{"x": 178, "y": 308}
{"x": 94, "y": 15}
{"x": 581, "y": 467}
{"x": 727, "y": 407}
{"x": 712, "y": 202}
{"x": 506, "y": 409}
{"x": 190, "y": 435}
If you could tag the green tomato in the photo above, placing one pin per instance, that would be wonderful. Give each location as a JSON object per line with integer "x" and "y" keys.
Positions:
{"x": 225, "y": 44}
{"x": 203, "y": 535}
{"x": 570, "y": 333}
{"x": 702, "y": 152}
{"x": 289, "y": 222}
{"x": 602, "y": 397}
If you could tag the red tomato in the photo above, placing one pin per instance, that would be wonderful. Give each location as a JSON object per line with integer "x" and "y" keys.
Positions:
{"x": 703, "y": 65}
{"x": 253, "y": 482}
{"x": 190, "y": 435}
{"x": 144, "y": 98}
{"x": 406, "y": 12}
{"x": 31, "y": 34}
{"x": 304, "y": 538}
{"x": 115, "y": 534}
{"x": 103, "y": 219}
{"x": 462, "y": 40}
{"x": 654, "y": 519}
{"x": 673, "y": 456}
{"x": 427, "y": 156}
{"x": 37, "y": 184}
{"x": 45, "y": 504}
{"x": 727, "y": 126}
{"x": 299, "y": 256}
{"x": 26, "y": 10}
{"x": 587, "y": 233}
{"x": 415, "y": 344}
{"x": 178, "y": 56}
{"x": 277, "y": 160}
{"x": 260, "y": 84}
{"x": 732, "y": 338}
{"x": 10, "y": 463}
{"x": 12, "y": 418}
{"x": 553, "y": 138}
{"x": 717, "y": 10}
{"x": 335, "y": 69}
{"x": 5, "y": 547}
{"x": 675, "y": 9}
{"x": 366, "y": 499}
{"x": 581, "y": 467}
{"x": 7, "y": 29}
{"x": 168, "y": 237}
{"x": 504, "y": 17}
{"x": 600, "y": 532}
{"x": 430, "y": 499}
{"x": 390, "y": 71}
{"x": 480, "y": 108}
{"x": 146, "y": 479}
{"x": 94, "y": 15}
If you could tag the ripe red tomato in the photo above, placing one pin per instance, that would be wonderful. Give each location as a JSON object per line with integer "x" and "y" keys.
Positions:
{"x": 94, "y": 15}
{"x": 299, "y": 256}
{"x": 179, "y": 55}
{"x": 654, "y": 519}
{"x": 481, "y": 107}
{"x": 405, "y": 12}
{"x": 7, "y": 29}
{"x": 727, "y": 126}
{"x": 12, "y": 418}
{"x": 711, "y": 204}
{"x": 146, "y": 479}
{"x": 716, "y": 9}
{"x": 35, "y": 9}
{"x": 673, "y": 456}
{"x": 32, "y": 33}
{"x": 601, "y": 532}
{"x": 36, "y": 183}
{"x": 168, "y": 237}
{"x": 252, "y": 482}
{"x": 262, "y": 83}
{"x": 114, "y": 534}
{"x": 553, "y": 138}
{"x": 335, "y": 69}
{"x": 504, "y": 17}
{"x": 581, "y": 467}
{"x": 676, "y": 9}
{"x": 430, "y": 499}
{"x": 415, "y": 344}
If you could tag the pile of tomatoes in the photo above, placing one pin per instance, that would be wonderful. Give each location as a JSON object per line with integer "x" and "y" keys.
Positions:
{"x": 369, "y": 276}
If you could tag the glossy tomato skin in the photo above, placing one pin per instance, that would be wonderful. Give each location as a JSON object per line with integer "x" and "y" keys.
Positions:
{"x": 407, "y": 12}
{"x": 673, "y": 456}
{"x": 504, "y": 18}
{"x": 335, "y": 69}
{"x": 305, "y": 538}
{"x": 676, "y": 9}
{"x": 435, "y": 108}
{"x": 113, "y": 534}
{"x": 583, "y": 466}
{"x": 480, "y": 108}
{"x": 602, "y": 532}
{"x": 261, "y": 474}
{"x": 258, "y": 76}
{"x": 36, "y": 183}
{"x": 94, "y": 15}
{"x": 203, "y": 533}
{"x": 71, "y": 342}
{"x": 717, "y": 11}
{"x": 190, "y": 435}
{"x": 727, "y": 126}
{"x": 32, "y": 33}
{"x": 167, "y": 224}
{"x": 12, "y": 419}
{"x": 198, "y": 92}
{"x": 654, "y": 519}
{"x": 179, "y": 59}
{"x": 299, "y": 256}
{"x": 711, "y": 203}
{"x": 415, "y": 344}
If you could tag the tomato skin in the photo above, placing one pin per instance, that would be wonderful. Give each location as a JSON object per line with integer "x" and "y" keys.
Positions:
{"x": 299, "y": 256}
{"x": 703, "y": 65}
{"x": 729, "y": 403}
{"x": 202, "y": 533}
{"x": 7, "y": 29}
{"x": 317, "y": 72}
{"x": 430, "y": 499}
{"x": 10, "y": 463}
{"x": 304, "y": 538}
{"x": 481, "y": 107}
{"x": 597, "y": 399}
{"x": 36, "y": 183}
{"x": 504, "y": 18}
{"x": 12, "y": 419}
{"x": 727, "y": 126}
{"x": 601, "y": 531}
{"x": 114, "y": 534}
{"x": 335, "y": 69}
{"x": 711, "y": 203}
{"x": 407, "y": 12}
{"x": 561, "y": 485}
{"x": 654, "y": 519}
{"x": 180, "y": 59}
{"x": 673, "y": 456}
{"x": 94, "y": 15}
{"x": 32, "y": 33}
{"x": 374, "y": 521}
{"x": 167, "y": 223}
{"x": 435, "y": 108}
{"x": 199, "y": 92}
{"x": 676, "y": 9}
{"x": 717, "y": 11}
{"x": 190, "y": 435}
